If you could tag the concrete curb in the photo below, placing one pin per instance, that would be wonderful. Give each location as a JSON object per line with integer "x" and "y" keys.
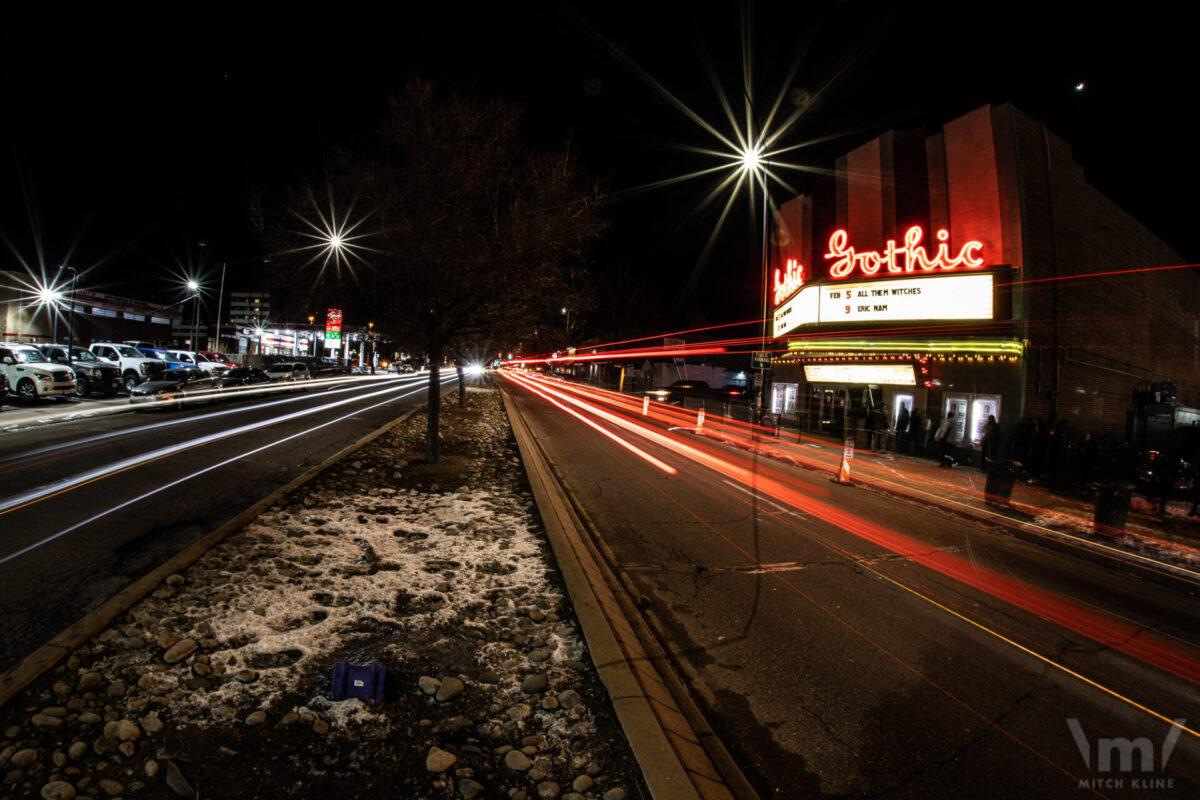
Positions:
{"x": 669, "y": 747}
{"x": 45, "y": 657}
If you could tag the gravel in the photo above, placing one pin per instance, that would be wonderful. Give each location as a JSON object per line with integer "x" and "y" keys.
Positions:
{"x": 218, "y": 684}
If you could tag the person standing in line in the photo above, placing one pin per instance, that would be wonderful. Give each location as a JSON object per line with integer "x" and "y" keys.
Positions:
{"x": 945, "y": 440}
{"x": 881, "y": 432}
{"x": 902, "y": 429}
{"x": 916, "y": 427}
{"x": 991, "y": 430}
{"x": 872, "y": 427}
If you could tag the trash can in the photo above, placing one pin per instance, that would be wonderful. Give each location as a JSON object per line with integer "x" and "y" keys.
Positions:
{"x": 1001, "y": 476}
{"x": 1112, "y": 506}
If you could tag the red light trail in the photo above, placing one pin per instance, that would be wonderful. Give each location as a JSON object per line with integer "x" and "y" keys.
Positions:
{"x": 1118, "y": 634}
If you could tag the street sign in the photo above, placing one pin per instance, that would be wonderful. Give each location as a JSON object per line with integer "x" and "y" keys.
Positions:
{"x": 760, "y": 360}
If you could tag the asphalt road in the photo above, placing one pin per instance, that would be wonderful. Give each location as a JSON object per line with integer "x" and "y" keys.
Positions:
{"x": 847, "y": 643}
{"x": 89, "y": 506}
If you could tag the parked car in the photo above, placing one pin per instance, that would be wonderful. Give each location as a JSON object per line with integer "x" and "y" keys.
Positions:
{"x": 678, "y": 391}
{"x": 218, "y": 358}
{"x": 244, "y": 376}
{"x": 91, "y": 374}
{"x": 161, "y": 354}
{"x": 733, "y": 393}
{"x": 3, "y": 387}
{"x": 400, "y": 367}
{"x": 135, "y": 366}
{"x": 197, "y": 360}
{"x": 288, "y": 371}
{"x": 31, "y": 375}
{"x": 175, "y": 386}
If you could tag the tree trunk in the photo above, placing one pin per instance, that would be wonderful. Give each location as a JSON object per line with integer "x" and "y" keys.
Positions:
{"x": 433, "y": 407}
{"x": 462, "y": 385}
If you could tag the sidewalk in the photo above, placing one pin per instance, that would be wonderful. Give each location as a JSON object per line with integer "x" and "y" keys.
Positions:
{"x": 1033, "y": 510}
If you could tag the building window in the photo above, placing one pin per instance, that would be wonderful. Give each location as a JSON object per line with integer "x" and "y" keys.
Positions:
{"x": 160, "y": 320}
{"x": 783, "y": 398}
{"x": 135, "y": 317}
{"x": 103, "y": 312}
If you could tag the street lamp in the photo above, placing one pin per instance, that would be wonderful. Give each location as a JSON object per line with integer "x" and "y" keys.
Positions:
{"x": 312, "y": 335}
{"x": 754, "y": 164}
{"x": 194, "y": 286}
{"x": 71, "y": 312}
{"x": 371, "y": 339}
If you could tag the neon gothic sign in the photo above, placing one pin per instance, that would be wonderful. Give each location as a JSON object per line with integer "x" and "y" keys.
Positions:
{"x": 789, "y": 281}
{"x": 897, "y": 259}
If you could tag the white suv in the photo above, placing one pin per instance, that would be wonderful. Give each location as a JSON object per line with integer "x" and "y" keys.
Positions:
{"x": 135, "y": 365}
{"x": 31, "y": 375}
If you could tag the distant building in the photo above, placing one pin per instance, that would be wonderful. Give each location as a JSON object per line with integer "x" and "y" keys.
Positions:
{"x": 249, "y": 309}
{"x": 98, "y": 316}
{"x": 973, "y": 271}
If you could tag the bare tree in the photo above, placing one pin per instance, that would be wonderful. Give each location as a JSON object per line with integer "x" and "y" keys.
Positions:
{"x": 453, "y": 231}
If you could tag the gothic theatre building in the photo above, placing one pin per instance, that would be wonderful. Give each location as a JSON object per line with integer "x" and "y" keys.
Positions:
{"x": 970, "y": 272}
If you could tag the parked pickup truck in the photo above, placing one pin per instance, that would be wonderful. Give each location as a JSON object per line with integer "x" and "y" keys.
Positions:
{"x": 135, "y": 366}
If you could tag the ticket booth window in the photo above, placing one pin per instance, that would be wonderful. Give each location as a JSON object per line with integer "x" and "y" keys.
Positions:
{"x": 981, "y": 407}
{"x": 783, "y": 398}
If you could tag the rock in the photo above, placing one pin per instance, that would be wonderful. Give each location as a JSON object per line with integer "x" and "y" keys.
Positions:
{"x": 77, "y": 750}
{"x": 583, "y": 783}
{"x": 539, "y": 655}
{"x": 175, "y": 580}
{"x": 89, "y": 681}
{"x": 45, "y": 721}
{"x": 58, "y": 790}
{"x": 429, "y": 685}
{"x": 547, "y": 790}
{"x": 438, "y": 760}
{"x": 61, "y": 688}
{"x": 534, "y": 684}
{"x": 519, "y": 712}
{"x": 517, "y": 761}
{"x": 89, "y": 718}
{"x": 451, "y": 687}
{"x": 116, "y": 689}
{"x": 111, "y": 788}
{"x": 177, "y": 783}
{"x": 469, "y": 789}
{"x": 124, "y": 730}
{"x": 549, "y": 703}
{"x": 150, "y": 768}
{"x": 614, "y": 794}
{"x": 59, "y": 758}
{"x": 320, "y": 727}
{"x": 256, "y": 718}
{"x": 151, "y": 724}
{"x": 290, "y": 718}
{"x": 569, "y": 698}
{"x": 180, "y": 650}
{"x": 23, "y": 758}
{"x": 246, "y": 676}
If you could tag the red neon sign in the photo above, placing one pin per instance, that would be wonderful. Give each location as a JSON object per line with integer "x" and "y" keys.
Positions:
{"x": 790, "y": 281}
{"x": 909, "y": 258}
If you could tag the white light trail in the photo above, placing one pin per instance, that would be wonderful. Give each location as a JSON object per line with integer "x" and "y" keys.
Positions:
{"x": 66, "y": 484}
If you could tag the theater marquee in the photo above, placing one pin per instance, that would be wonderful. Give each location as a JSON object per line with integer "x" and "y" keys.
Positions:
{"x": 942, "y": 297}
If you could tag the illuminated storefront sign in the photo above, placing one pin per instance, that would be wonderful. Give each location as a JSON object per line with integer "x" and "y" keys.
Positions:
{"x": 894, "y": 374}
{"x": 899, "y": 260}
{"x": 333, "y": 324}
{"x": 790, "y": 281}
{"x": 943, "y": 297}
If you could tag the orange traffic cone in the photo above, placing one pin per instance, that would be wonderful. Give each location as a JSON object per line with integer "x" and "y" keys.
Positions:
{"x": 700, "y": 419}
{"x": 843, "y": 475}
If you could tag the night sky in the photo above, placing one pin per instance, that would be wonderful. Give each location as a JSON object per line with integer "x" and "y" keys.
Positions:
{"x": 136, "y": 130}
